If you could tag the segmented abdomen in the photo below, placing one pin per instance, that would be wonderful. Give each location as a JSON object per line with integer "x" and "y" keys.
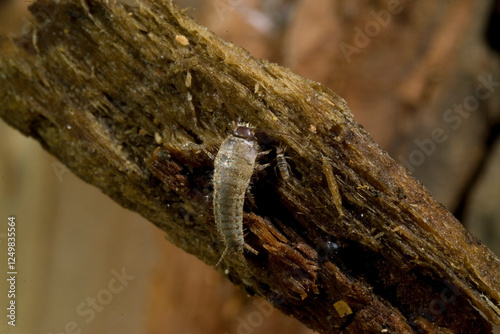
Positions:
{"x": 234, "y": 166}
{"x": 282, "y": 164}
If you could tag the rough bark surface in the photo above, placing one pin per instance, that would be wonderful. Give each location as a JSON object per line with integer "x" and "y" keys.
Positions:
{"x": 137, "y": 100}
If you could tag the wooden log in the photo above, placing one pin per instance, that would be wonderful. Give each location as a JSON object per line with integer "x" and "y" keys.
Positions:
{"x": 137, "y": 100}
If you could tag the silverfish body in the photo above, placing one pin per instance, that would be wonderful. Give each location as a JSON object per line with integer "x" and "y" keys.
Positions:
{"x": 234, "y": 165}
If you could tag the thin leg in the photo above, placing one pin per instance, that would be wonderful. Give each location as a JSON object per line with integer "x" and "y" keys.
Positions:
{"x": 221, "y": 257}
{"x": 260, "y": 168}
{"x": 261, "y": 154}
{"x": 250, "y": 249}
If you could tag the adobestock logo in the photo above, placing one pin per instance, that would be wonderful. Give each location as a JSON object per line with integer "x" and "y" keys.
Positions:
{"x": 363, "y": 37}
{"x": 436, "y": 307}
{"x": 225, "y": 7}
{"x": 454, "y": 118}
{"x": 87, "y": 310}
{"x": 255, "y": 319}
{"x": 45, "y": 12}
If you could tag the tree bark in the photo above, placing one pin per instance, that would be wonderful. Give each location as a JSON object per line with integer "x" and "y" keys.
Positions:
{"x": 137, "y": 100}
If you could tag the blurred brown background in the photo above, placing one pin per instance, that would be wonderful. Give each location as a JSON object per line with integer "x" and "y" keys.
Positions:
{"x": 423, "y": 77}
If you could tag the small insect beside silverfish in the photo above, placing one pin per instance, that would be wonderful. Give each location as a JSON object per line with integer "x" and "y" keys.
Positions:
{"x": 281, "y": 163}
{"x": 233, "y": 168}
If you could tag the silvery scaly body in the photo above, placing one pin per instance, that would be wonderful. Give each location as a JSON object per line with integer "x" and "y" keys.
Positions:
{"x": 233, "y": 168}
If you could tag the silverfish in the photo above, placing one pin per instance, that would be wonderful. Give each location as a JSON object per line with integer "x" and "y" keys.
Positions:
{"x": 233, "y": 168}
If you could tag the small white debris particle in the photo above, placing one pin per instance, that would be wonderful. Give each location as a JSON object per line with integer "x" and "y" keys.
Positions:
{"x": 182, "y": 40}
{"x": 256, "y": 88}
{"x": 188, "y": 79}
{"x": 158, "y": 138}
